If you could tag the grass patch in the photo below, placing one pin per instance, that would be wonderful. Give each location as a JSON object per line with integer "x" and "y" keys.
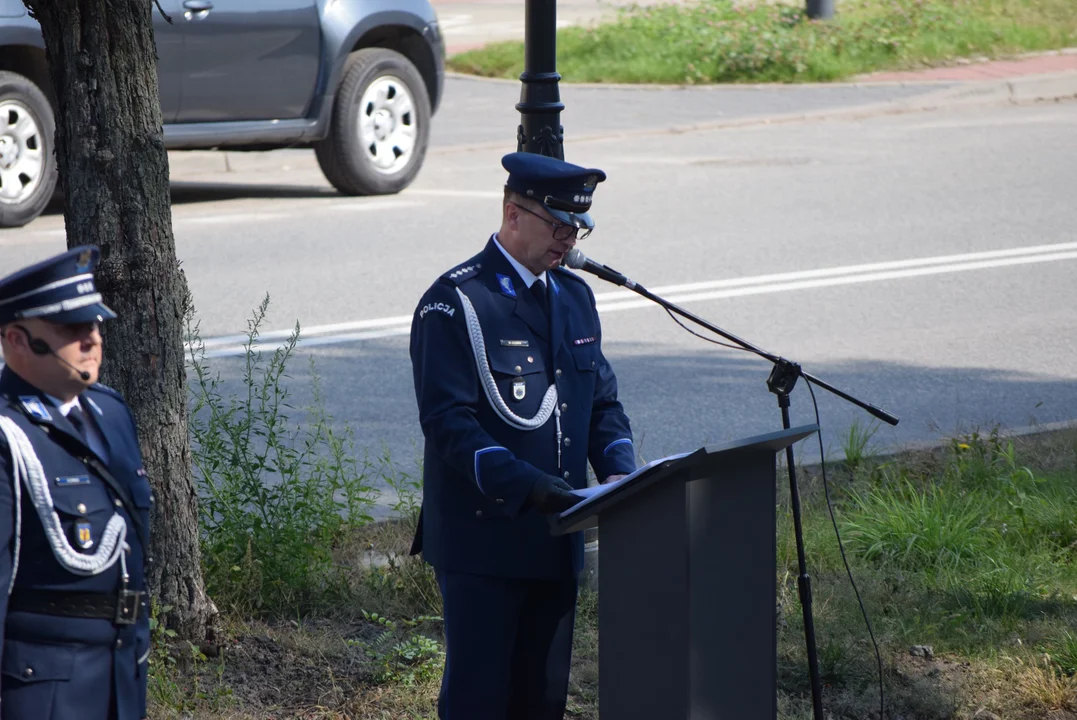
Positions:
{"x": 715, "y": 41}
{"x": 968, "y": 551}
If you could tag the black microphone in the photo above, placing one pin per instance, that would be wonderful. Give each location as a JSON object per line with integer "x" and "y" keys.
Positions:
{"x": 40, "y": 347}
{"x": 578, "y": 261}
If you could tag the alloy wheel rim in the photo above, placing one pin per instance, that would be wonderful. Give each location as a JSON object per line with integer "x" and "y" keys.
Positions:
{"x": 387, "y": 125}
{"x": 22, "y": 152}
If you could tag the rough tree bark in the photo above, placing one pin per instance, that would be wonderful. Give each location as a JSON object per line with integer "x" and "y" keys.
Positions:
{"x": 114, "y": 174}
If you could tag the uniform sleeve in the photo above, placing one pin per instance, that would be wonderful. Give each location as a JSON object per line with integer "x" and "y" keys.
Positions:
{"x": 7, "y": 531}
{"x": 610, "y": 448}
{"x": 448, "y": 394}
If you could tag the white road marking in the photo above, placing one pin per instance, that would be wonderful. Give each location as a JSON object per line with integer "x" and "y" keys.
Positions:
{"x": 477, "y": 194}
{"x": 337, "y": 333}
{"x": 363, "y": 205}
{"x": 224, "y": 219}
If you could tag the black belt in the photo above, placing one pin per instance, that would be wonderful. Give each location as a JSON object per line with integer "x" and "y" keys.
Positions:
{"x": 121, "y": 608}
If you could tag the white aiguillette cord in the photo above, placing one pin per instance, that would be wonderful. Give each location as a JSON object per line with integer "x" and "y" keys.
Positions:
{"x": 489, "y": 384}
{"x": 26, "y": 468}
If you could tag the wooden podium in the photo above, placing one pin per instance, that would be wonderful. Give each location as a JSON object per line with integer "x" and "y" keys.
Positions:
{"x": 688, "y": 583}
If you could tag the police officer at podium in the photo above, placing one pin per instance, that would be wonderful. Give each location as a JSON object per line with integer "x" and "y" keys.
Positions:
{"x": 515, "y": 399}
{"x": 74, "y": 507}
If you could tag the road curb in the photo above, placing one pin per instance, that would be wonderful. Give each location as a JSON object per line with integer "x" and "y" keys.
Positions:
{"x": 1013, "y": 91}
{"x": 710, "y": 87}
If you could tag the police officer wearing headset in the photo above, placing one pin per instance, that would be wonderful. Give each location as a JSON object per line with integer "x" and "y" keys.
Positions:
{"x": 74, "y": 507}
{"x": 515, "y": 398}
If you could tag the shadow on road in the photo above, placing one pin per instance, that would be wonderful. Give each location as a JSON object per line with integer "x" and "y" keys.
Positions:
{"x": 684, "y": 400}
{"x": 185, "y": 191}
{"x": 195, "y": 192}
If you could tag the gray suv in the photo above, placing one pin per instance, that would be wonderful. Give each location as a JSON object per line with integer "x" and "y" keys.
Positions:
{"x": 357, "y": 81}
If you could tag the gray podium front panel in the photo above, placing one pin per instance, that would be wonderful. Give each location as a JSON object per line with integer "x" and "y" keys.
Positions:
{"x": 733, "y": 591}
{"x": 644, "y": 623}
{"x": 687, "y": 587}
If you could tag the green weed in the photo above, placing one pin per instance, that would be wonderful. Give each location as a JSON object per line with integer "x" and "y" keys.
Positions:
{"x": 719, "y": 41}
{"x": 275, "y": 499}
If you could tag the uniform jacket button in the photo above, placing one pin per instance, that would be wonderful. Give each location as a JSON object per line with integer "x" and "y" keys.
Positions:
{"x": 519, "y": 369}
{"x": 81, "y": 507}
{"x": 28, "y": 672}
{"x": 566, "y": 474}
{"x": 117, "y": 502}
{"x": 564, "y": 406}
{"x": 119, "y": 643}
{"x": 478, "y": 513}
{"x": 558, "y": 372}
{"x": 568, "y": 441}
{"x": 500, "y": 501}
{"x": 592, "y": 364}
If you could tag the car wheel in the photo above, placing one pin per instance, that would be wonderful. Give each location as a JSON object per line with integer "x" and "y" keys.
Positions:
{"x": 380, "y": 125}
{"x": 27, "y": 162}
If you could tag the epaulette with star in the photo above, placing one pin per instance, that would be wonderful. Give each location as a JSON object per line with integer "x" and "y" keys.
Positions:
{"x": 462, "y": 273}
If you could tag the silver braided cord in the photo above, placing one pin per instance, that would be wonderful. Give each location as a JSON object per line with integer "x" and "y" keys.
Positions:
{"x": 489, "y": 384}
{"x": 26, "y": 467}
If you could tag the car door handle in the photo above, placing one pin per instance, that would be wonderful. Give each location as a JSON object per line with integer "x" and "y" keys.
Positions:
{"x": 198, "y": 5}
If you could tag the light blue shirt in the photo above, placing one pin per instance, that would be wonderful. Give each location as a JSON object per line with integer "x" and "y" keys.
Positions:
{"x": 526, "y": 275}
{"x": 97, "y": 443}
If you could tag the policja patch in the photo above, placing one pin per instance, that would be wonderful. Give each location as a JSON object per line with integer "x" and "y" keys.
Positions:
{"x": 519, "y": 388}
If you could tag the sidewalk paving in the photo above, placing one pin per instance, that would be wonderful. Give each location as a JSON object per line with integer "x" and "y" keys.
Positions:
{"x": 1040, "y": 64}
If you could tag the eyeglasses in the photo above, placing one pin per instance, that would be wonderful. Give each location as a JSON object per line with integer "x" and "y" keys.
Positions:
{"x": 561, "y": 231}
{"x": 71, "y": 332}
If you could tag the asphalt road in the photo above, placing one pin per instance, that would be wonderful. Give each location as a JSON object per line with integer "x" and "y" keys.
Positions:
{"x": 924, "y": 263}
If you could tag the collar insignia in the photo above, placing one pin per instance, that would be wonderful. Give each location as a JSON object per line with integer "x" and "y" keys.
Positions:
{"x": 505, "y": 282}
{"x": 35, "y": 408}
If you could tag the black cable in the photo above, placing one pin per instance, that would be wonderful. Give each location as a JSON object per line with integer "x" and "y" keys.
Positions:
{"x": 830, "y": 507}
{"x": 826, "y": 491}
{"x": 703, "y": 337}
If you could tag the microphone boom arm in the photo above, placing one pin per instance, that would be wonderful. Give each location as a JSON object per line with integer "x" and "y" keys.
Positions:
{"x": 781, "y": 381}
{"x": 788, "y": 371}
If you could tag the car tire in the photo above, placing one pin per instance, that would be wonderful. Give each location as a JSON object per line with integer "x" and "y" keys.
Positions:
{"x": 380, "y": 125}
{"x": 27, "y": 158}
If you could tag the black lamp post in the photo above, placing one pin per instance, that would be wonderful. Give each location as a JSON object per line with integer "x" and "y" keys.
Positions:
{"x": 540, "y": 103}
{"x": 820, "y": 9}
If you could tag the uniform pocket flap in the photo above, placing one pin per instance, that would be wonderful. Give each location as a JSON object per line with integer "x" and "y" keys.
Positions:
{"x": 586, "y": 358}
{"x": 37, "y": 662}
{"x": 81, "y": 500}
{"x": 512, "y": 361}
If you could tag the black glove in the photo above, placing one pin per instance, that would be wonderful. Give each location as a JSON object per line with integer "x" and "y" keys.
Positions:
{"x": 552, "y": 495}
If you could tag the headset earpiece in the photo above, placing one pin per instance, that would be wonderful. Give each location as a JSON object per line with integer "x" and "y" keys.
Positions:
{"x": 39, "y": 346}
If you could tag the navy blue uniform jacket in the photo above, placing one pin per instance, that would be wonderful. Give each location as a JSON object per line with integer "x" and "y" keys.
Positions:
{"x": 478, "y": 469}
{"x": 64, "y": 667}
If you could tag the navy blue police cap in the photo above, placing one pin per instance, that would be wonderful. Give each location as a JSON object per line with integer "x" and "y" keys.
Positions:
{"x": 59, "y": 290}
{"x": 564, "y": 189}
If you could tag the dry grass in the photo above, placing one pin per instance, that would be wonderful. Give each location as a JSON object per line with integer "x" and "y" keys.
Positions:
{"x": 1015, "y": 663}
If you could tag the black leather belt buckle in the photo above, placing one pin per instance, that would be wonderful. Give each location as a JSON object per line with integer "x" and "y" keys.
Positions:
{"x": 127, "y": 603}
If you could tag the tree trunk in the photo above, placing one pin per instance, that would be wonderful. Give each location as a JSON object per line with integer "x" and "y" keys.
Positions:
{"x": 114, "y": 174}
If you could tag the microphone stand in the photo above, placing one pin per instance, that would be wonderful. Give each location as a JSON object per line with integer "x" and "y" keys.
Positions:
{"x": 781, "y": 382}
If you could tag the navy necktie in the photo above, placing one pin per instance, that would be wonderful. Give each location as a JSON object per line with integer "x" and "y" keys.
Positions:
{"x": 79, "y": 421}
{"x": 538, "y": 289}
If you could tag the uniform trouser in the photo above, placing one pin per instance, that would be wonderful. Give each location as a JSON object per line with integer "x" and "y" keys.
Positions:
{"x": 508, "y": 647}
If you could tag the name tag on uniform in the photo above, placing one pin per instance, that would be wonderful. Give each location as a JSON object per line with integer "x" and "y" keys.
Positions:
{"x": 515, "y": 343}
{"x": 73, "y": 480}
